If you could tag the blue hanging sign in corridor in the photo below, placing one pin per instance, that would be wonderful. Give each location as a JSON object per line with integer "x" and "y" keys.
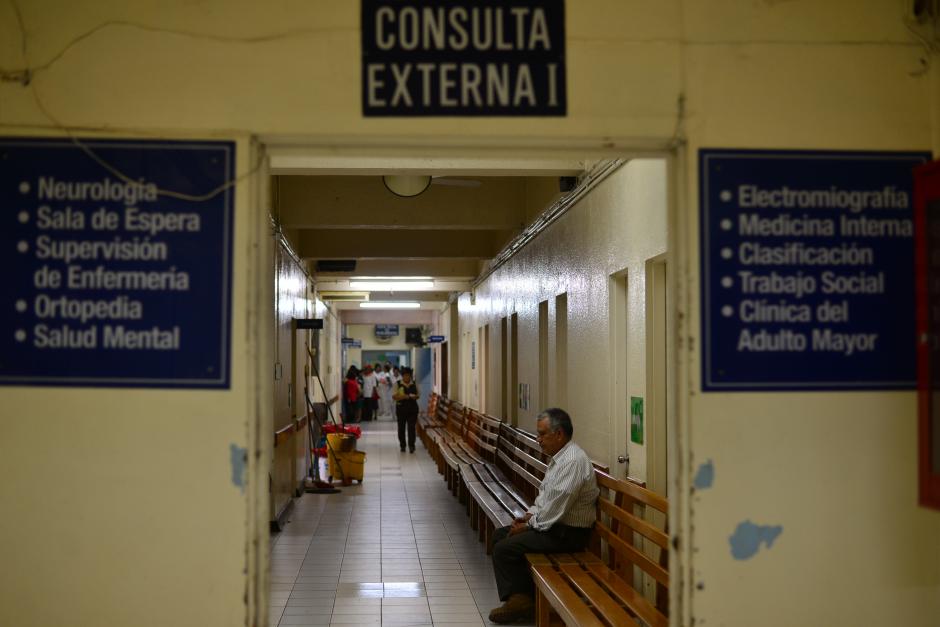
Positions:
{"x": 807, "y": 270}
{"x": 112, "y": 281}
{"x": 463, "y": 58}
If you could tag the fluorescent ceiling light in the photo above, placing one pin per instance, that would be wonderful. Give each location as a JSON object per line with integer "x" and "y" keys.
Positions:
{"x": 376, "y": 304}
{"x": 390, "y": 278}
{"x": 391, "y": 286}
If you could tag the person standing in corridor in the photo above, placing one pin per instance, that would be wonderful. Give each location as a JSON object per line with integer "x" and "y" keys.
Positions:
{"x": 352, "y": 393}
{"x": 370, "y": 393}
{"x": 406, "y": 409}
{"x": 385, "y": 391}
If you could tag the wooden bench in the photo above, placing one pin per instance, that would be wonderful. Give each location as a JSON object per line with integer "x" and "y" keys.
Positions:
{"x": 434, "y": 423}
{"x": 504, "y": 490}
{"x": 464, "y": 453}
{"x": 446, "y": 445}
{"x": 494, "y": 497}
{"x": 427, "y": 421}
{"x": 482, "y": 434}
{"x": 494, "y": 468}
{"x": 623, "y": 578}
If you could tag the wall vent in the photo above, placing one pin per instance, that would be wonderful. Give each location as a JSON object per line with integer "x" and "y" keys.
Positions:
{"x": 344, "y": 296}
{"x": 336, "y": 265}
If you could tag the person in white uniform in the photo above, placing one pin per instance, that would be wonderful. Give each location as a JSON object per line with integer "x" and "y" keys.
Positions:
{"x": 386, "y": 405}
{"x": 369, "y": 393}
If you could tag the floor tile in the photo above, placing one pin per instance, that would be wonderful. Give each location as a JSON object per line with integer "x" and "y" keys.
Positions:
{"x": 396, "y": 550}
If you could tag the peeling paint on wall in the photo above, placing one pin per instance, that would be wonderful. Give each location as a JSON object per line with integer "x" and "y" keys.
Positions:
{"x": 747, "y": 538}
{"x": 705, "y": 476}
{"x": 239, "y": 460}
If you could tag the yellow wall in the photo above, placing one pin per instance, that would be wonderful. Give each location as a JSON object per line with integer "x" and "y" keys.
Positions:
{"x": 135, "y": 519}
{"x": 836, "y": 470}
{"x": 294, "y": 69}
{"x": 612, "y": 231}
{"x": 293, "y": 300}
{"x": 123, "y": 506}
{"x": 366, "y": 333}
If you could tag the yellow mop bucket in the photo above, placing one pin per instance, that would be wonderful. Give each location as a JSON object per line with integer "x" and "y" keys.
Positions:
{"x": 345, "y": 462}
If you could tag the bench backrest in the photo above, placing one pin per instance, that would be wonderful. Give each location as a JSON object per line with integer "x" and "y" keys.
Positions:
{"x": 455, "y": 418}
{"x": 441, "y": 410}
{"x": 482, "y": 434}
{"x": 631, "y": 533}
{"x": 432, "y": 403}
{"x": 521, "y": 460}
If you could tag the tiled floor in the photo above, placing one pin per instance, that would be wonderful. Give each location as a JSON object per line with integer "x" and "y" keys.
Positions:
{"x": 396, "y": 550}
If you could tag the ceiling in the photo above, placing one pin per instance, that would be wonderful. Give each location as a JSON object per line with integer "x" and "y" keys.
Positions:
{"x": 445, "y": 235}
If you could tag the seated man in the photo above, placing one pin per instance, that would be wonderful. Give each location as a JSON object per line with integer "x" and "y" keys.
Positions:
{"x": 560, "y": 520}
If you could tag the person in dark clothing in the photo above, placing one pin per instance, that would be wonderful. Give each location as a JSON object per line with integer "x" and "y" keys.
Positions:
{"x": 406, "y": 409}
{"x": 351, "y": 396}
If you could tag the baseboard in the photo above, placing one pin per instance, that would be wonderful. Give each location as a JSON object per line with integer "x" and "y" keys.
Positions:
{"x": 280, "y": 521}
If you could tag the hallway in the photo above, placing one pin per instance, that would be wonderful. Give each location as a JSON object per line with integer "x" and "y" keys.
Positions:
{"x": 396, "y": 550}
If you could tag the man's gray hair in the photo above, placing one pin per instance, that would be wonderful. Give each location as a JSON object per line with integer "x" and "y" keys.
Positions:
{"x": 558, "y": 419}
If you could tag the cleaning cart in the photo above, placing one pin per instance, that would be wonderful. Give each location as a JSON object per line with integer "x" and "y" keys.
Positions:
{"x": 344, "y": 461}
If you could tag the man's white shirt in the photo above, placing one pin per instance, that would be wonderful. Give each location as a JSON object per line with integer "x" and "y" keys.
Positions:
{"x": 568, "y": 493}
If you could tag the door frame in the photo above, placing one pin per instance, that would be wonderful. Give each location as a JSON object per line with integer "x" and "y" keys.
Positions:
{"x": 657, "y": 374}
{"x": 357, "y": 155}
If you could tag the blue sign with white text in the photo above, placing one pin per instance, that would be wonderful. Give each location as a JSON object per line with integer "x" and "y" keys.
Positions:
{"x": 119, "y": 262}
{"x": 436, "y": 338}
{"x": 386, "y": 330}
{"x": 807, "y": 278}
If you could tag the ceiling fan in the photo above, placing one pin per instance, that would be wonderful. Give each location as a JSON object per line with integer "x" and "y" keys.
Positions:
{"x": 409, "y": 185}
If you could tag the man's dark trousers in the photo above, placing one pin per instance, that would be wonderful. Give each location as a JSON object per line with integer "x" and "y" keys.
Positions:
{"x": 509, "y": 562}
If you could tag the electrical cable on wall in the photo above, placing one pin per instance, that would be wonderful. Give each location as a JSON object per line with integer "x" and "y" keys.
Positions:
{"x": 25, "y": 76}
{"x": 923, "y": 13}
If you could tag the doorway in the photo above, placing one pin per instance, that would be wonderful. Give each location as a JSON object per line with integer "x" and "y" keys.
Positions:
{"x": 552, "y": 371}
{"x": 657, "y": 379}
{"x": 504, "y": 386}
{"x": 514, "y": 369}
{"x": 622, "y": 451}
{"x": 396, "y": 358}
{"x": 444, "y": 362}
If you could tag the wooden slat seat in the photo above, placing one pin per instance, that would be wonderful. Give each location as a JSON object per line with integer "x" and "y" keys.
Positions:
{"x": 428, "y": 420}
{"x": 436, "y": 418}
{"x": 504, "y": 491}
{"x": 503, "y": 484}
{"x": 442, "y": 416}
{"x": 493, "y": 501}
{"x": 456, "y": 457}
{"x": 557, "y": 597}
{"x": 446, "y": 443}
{"x": 487, "y": 508}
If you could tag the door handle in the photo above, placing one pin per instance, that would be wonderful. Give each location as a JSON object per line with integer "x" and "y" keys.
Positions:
{"x": 622, "y": 459}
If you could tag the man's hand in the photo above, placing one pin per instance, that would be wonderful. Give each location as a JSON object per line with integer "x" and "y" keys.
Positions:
{"x": 520, "y": 524}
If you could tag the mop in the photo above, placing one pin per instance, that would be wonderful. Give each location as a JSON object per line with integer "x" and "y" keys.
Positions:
{"x": 317, "y": 486}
